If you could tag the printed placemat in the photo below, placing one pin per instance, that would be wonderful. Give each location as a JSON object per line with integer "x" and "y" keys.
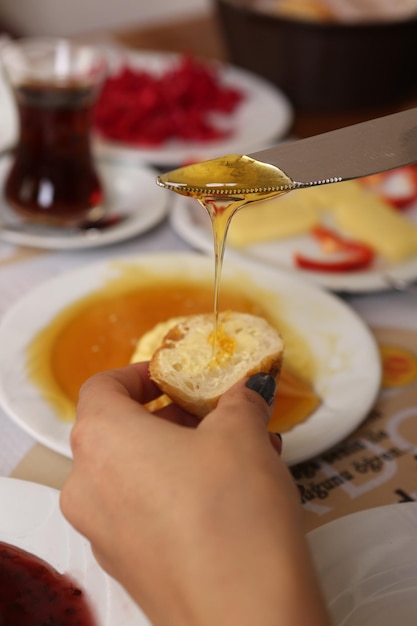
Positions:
{"x": 377, "y": 464}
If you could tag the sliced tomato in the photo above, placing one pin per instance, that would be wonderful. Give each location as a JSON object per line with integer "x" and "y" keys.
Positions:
{"x": 398, "y": 187}
{"x": 358, "y": 260}
{"x": 356, "y": 255}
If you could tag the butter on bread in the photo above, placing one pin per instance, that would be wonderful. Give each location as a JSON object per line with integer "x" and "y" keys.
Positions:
{"x": 188, "y": 371}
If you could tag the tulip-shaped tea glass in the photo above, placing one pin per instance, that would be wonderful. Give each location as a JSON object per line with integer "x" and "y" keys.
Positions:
{"x": 53, "y": 179}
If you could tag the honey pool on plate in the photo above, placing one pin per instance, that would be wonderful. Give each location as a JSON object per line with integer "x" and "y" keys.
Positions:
{"x": 100, "y": 331}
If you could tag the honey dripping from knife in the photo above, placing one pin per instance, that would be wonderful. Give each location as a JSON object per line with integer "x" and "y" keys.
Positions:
{"x": 223, "y": 186}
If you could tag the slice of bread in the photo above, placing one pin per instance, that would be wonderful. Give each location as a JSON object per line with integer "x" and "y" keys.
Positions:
{"x": 146, "y": 346}
{"x": 194, "y": 375}
{"x": 152, "y": 339}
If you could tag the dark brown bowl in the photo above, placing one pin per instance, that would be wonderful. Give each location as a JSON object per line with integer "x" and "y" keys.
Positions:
{"x": 323, "y": 65}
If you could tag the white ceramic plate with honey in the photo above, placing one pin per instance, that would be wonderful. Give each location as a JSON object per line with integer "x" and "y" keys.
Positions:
{"x": 131, "y": 195}
{"x": 367, "y": 564}
{"x": 30, "y": 519}
{"x": 346, "y": 371}
{"x": 193, "y": 225}
{"x": 263, "y": 117}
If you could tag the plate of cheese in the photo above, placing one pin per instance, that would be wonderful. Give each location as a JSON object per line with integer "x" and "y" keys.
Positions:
{"x": 377, "y": 214}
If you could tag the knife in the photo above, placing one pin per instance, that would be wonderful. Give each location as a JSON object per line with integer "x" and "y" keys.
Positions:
{"x": 355, "y": 151}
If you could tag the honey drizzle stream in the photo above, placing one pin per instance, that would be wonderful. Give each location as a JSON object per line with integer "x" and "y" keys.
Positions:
{"x": 221, "y": 211}
{"x": 238, "y": 180}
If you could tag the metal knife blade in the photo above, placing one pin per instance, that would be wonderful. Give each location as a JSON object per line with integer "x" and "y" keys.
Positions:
{"x": 359, "y": 150}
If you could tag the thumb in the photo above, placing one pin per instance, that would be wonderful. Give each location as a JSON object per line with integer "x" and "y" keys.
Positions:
{"x": 246, "y": 402}
{"x": 265, "y": 386}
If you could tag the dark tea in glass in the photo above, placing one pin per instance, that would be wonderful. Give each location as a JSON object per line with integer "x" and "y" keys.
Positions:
{"x": 53, "y": 179}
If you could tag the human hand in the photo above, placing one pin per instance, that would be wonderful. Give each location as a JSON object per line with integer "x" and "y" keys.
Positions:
{"x": 199, "y": 521}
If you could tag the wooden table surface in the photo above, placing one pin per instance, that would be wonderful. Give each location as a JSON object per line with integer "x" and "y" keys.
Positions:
{"x": 202, "y": 36}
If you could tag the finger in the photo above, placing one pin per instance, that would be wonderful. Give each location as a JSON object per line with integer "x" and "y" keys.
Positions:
{"x": 248, "y": 404}
{"x": 132, "y": 381}
{"x": 163, "y": 407}
{"x": 265, "y": 385}
{"x": 123, "y": 394}
{"x": 276, "y": 441}
{"x": 173, "y": 413}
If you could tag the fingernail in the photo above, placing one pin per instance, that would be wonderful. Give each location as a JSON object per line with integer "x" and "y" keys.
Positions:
{"x": 264, "y": 384}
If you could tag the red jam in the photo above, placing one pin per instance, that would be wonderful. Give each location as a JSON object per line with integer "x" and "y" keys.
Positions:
{"x": 33, "y": 593}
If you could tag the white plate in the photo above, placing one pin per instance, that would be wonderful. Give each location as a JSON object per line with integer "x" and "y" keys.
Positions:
{"x": 264, "y": 116}
{"x": 340, "y": 342}
{"x": 193, "y": 225}
{"x": 130, "y": 191}
{"x": 367, "y": 564}
{"x": 30, "y": 519}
